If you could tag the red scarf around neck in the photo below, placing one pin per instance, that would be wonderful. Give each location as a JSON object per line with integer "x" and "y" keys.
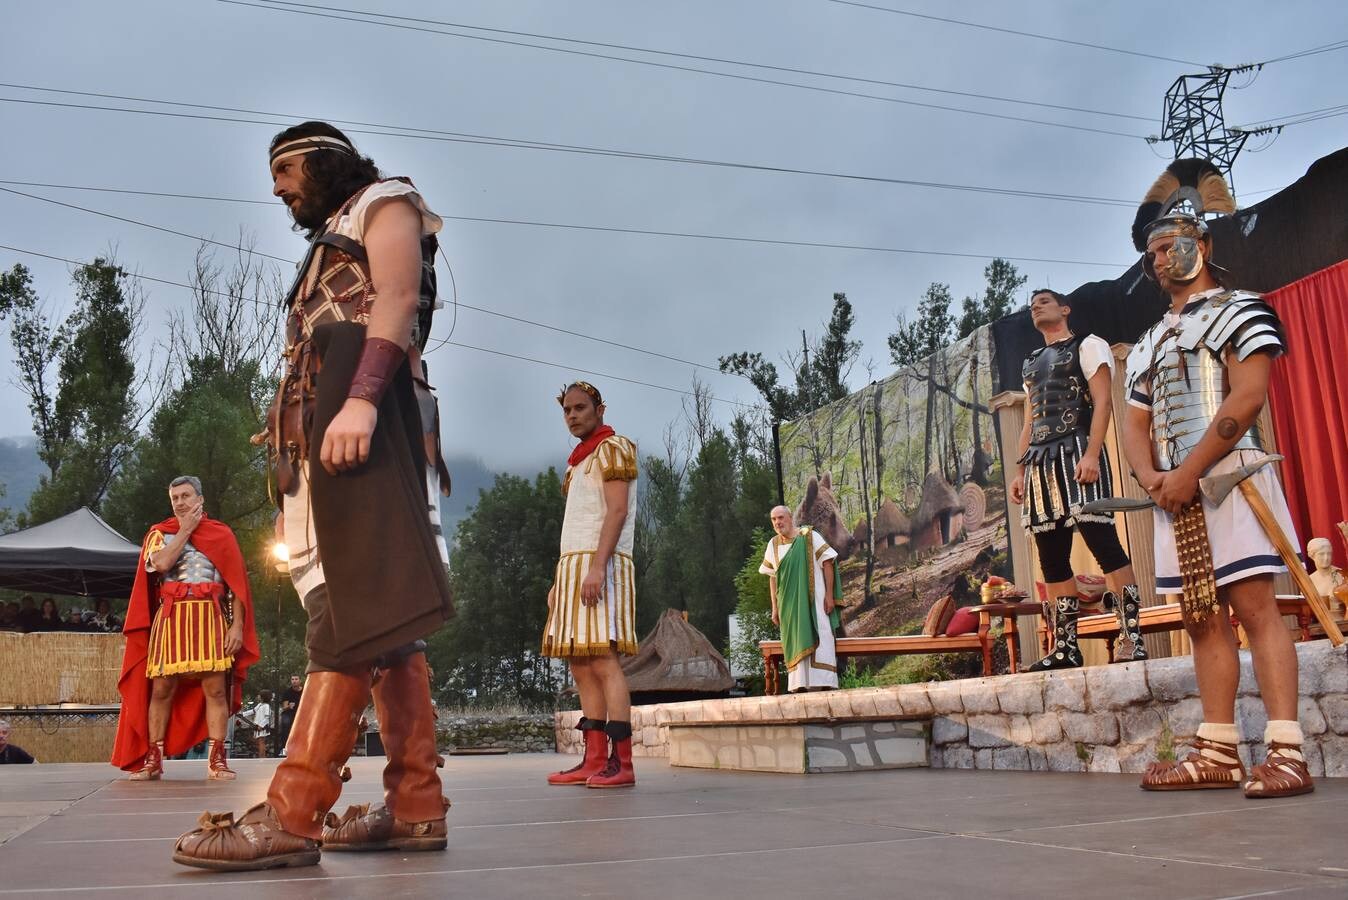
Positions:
{"x": 587, "y": 446}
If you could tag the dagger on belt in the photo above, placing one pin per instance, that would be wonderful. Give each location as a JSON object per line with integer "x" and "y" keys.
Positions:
{"x": 1215, "y": 489}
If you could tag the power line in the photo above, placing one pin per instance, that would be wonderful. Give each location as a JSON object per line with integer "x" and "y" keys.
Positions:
{"x": 750, "y": 78}
{"x": 696, "y": 57}
{"x": 515, "y": 143}
{"x": 140, "y": 277}
{"x": 582, "y": 371}
{"x": 108, "y": 215}
{"x": 443, "y": 342}
{"x": 490, "y": 312}
{"x": 750, "y": 240}
{"x": 570, "y": 226}
{"x": 1030, "y": 195}
{"x": 1027, "y": 34}
{"x": 1313, "y": 51}
{"x": 1281, "y": 122}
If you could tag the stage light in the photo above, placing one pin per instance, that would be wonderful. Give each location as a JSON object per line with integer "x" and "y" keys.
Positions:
{"x": 281, "y": 558}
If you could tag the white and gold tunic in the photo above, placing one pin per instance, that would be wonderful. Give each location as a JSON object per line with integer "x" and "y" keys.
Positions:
{"x": 574, "y": 629}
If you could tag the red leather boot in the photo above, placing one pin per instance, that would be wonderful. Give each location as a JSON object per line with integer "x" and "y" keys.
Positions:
{"x": 595, "y": 758}
{"x": 618, "y": 771}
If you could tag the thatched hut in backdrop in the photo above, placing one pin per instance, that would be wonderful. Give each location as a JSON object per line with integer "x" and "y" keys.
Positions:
{"x": 676, "y": 662}
{"x": 940, "y": 516}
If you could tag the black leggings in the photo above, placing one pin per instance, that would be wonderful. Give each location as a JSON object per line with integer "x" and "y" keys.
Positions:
{"x": 1055, "y": 549}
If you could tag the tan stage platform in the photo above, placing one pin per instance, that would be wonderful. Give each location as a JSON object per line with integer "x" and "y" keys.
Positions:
{"x": 74, "y": 830}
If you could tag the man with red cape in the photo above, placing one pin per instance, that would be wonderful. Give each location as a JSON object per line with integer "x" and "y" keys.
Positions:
{"x": 189, "y": 640}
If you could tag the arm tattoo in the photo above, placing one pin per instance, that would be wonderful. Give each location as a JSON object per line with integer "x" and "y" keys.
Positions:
{"x": 1227, "y": 428}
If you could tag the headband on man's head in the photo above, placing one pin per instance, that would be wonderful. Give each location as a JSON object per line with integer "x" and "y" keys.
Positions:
{"x": 301, "y": 146}
{"x": 584, "y": 386}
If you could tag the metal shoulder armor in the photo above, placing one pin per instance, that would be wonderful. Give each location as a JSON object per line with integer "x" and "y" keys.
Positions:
{"x": 1237, "y": 320}
{"x": 1139, "y": 359}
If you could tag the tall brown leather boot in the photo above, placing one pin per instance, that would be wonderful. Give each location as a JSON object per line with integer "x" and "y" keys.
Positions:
{"x": 413, "y": 814}
{"x": 285, "y": 829}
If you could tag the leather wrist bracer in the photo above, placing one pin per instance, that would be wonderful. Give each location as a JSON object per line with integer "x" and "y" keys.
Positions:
{"x": 379, "y": 360}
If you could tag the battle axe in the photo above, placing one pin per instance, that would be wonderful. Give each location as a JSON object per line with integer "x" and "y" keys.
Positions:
{"x": 1215, "y": 489}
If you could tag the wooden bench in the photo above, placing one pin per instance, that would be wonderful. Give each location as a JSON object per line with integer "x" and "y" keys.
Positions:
{"x": 1166, "y": 617}
{"x": 979, "y": 641}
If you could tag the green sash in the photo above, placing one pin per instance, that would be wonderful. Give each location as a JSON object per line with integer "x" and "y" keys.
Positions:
{"x": 795, "y": 599}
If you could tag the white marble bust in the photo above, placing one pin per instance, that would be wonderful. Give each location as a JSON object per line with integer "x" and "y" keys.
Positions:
{"x": 1327, "y": 577}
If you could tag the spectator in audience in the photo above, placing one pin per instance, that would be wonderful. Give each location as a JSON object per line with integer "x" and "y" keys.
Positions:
{"x": 290, "y": 701}
{"x": 103, "y": 618}
{"x": 260, "y": 717}
{"x": 75, "y": 621}
{"x": 28, "y": 614}
{"x": 9, "y": 753}
{"x": 49, "y": 617}
{"x": 9, "y": 616}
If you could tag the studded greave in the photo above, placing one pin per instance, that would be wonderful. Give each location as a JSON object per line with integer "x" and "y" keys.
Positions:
{"x": 1065, "y": 653}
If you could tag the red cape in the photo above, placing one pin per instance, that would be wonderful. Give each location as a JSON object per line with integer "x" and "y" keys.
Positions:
{"x": 187, "y": 721}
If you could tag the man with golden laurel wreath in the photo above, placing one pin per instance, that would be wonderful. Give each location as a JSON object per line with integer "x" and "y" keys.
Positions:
{"x": 352, "y": 469}
{"x": 592, "y": 602}
{"x": 1196, "y": 382}
{"x": 189, "y": 640}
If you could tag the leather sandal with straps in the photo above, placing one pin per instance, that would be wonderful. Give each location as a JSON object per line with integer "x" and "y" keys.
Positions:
{"x": 361, "y": 828}
{"x": 255, "y": 841}
{"x": 1281, "y": 774}
{"x": 1197, "y": 771}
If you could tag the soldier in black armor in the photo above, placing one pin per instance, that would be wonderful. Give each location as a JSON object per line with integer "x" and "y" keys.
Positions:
{"x": 1063, "y": 465}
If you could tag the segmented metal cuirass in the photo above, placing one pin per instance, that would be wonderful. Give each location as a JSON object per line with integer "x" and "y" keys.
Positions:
{"x": 1060, "y": 402}
{"x": 1189, "y": 388}
{"x": 193, "y": 567}
{"x": 1184, "y": 362}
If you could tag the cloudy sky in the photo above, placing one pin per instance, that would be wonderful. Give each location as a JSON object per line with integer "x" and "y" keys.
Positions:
{"x": 440, "y": 107}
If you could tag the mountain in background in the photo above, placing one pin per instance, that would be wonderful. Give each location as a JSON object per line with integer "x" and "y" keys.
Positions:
{"x": 20, "y": 468}
{"x": 470, "y": 476}
{"x": 19, "y": 471}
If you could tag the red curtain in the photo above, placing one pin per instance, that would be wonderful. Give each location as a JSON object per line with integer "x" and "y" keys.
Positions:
{"x": 1308, "y": 399}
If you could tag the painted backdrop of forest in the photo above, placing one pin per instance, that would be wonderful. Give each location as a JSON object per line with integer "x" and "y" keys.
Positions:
{"x": 903, "y": 479}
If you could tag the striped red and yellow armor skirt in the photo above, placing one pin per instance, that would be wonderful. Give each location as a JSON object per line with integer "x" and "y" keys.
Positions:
{"x": 188, "y": 634}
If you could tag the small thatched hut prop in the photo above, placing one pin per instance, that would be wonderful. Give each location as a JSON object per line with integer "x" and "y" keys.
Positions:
{"x": 940, "y": 516}
{"x": 676, "y": 662}
{"x": 891, "y": 525}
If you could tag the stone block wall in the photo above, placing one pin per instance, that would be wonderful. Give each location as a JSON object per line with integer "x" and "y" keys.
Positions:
{"x": 517, "y": 734}
{"x": 1097, "y": 719}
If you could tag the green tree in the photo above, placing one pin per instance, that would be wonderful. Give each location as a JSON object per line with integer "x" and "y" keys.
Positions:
{"x": 710, "y": 540}
{"x": 656, "y": 552}
{"x": 821, "y": 371}
{"x": 214, "y": 398}
{"x": 85, "y": 422}
{"x": 753, "y": 609}
{"x": 201, "y": 428}
{"x": 501, "y": 568}
{"x": 913, "y": 341}
{"x": 1003, "y": 280}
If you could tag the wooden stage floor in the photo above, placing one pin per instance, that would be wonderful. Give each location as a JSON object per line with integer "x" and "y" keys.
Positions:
{"x": 78, "y": 830}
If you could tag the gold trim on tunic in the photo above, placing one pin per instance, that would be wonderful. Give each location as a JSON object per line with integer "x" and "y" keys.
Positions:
{"x": 189, "y": 640}
{"x": 574, "y": 629}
